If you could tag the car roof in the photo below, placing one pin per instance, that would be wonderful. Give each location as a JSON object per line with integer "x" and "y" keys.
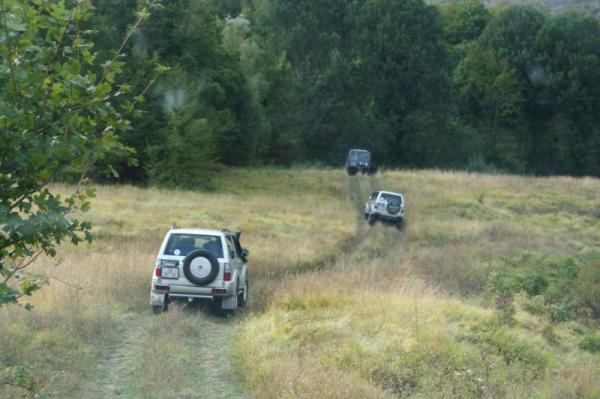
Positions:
{"x": 358, "y": 150}
{"x": 197, "y": 231}
{"x": 390, "y": 192}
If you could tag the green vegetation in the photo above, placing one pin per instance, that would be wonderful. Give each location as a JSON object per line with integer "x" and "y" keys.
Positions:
{"x": 511, "y": 88}
{"x": 61, "y": 112}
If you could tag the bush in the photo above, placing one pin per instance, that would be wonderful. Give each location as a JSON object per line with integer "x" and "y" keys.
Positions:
{"x": 535, "y": 284}
{"x": 590, "y": 343}
{"x": 587, "y": 290}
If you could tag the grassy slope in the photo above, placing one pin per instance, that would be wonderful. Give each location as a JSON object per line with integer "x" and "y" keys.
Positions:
{"x": 78, "y": 332}
{"x": 372, "y": 326}
{"x": 339, "y": 310}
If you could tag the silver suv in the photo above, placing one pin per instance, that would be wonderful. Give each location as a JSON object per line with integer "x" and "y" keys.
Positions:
{"x": 386, "y": 206}
{"x": 201, "y": 264}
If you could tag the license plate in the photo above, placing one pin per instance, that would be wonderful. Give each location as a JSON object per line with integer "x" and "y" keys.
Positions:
{"x": 170, "y": 272}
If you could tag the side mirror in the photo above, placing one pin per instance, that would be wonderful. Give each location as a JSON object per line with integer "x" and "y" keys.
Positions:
{"x": 245, "y": 253}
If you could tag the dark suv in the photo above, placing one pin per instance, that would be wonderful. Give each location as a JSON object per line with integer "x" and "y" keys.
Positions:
{"x": 359, "y": 161}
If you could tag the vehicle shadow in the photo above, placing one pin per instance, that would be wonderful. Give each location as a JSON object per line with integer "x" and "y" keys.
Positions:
{"x": 204, "y": 308}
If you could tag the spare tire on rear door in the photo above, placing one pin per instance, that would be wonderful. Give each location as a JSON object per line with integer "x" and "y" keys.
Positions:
{"x": 200, "y": 267}
{"x": 393, "y": 207}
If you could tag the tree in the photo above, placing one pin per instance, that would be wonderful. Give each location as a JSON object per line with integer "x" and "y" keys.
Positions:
{"x": 463, "y": 21}
{"x": 403, "y": 74}
{"x": 568, "y": 98}
{"x": 61, "y": 111}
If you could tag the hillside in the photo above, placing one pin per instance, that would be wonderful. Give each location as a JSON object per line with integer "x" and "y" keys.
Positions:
{"x": 490, "y": 291}
{"x": 555, "y": 6}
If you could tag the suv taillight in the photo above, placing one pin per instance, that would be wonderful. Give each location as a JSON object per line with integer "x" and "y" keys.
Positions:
{"x": 226, "y": 272}
{"x": 158, "y": 272}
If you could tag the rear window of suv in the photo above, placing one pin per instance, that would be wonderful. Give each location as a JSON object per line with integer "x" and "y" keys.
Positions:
{"x": 391, "y": 197}
{"x": 363, "y": 156}
{"x": 183, "y": 244}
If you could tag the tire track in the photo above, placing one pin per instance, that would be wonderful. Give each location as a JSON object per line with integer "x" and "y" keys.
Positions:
{"x": 215, "y": 376}
{"x": 113, "y": 373}
{"x": 216, "y": 381}
{"x": 358, "y": 200}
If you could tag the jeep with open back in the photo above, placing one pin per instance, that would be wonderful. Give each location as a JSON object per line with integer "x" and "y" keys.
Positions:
{"x": 197, "y": 264}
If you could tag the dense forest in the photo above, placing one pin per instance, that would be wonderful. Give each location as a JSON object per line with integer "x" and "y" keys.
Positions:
{"x": 280, "y": 82}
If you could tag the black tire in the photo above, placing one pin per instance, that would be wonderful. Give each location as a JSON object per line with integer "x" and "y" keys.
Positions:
{"x": 371, "y": 219}
{"x": 352, "y": 171}
{"x": 216, "y": 306}
{"x": 393, "y": 207}
{"x": 214, "y": 267}
{"x": 400, "y": 224}
{"x": 242, "y": 302}
{"x": 158, "y": 309}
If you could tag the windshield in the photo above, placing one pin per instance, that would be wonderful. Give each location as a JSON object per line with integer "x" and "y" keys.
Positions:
{"x": 183, "y": 244}
{"x": 360, "y": 156}
{"x": 391, "y": 197}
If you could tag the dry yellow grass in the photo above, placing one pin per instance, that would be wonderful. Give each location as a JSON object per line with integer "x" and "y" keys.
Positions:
{"x": 370, "y": 325}
{"x": 338, "y": 309}
{"x": 73, "y": 324}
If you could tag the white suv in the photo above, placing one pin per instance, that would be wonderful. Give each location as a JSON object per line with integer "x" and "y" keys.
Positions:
{"x": 386, "y": 206}
{"x": 201, "y": 264}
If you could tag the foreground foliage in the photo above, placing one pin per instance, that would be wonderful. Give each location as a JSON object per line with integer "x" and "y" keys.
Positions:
{"x": 61, "y": 112}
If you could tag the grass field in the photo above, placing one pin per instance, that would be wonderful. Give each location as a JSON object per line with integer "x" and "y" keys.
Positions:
{"x": 492, "y": 290}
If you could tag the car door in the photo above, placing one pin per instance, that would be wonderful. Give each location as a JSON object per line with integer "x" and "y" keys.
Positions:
{"x": 236, "y": 260}
{"x": 371, "y": 201}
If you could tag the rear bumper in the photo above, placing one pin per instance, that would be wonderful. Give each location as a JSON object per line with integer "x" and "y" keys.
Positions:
{"x": 157, "y": 297}
{"x": 387, "y": 216}
{"x": 362, "y": 168}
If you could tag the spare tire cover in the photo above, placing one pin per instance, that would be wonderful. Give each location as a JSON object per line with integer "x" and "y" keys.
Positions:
{"x": 393, "y": 207}
{"x": 200, "y": 267}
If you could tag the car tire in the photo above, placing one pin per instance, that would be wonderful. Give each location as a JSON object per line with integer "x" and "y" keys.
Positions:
{"x": 351, "y": 171}
{"x": 400, "y": 224}
{"x": 216, "y": 306}
{"x": 158, "y": 309}
{"x": 243, "y": 297}
{"x": 212, "y": 274}
{"x": 371, "y": 219}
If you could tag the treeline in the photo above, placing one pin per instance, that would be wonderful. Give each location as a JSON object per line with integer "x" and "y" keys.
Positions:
{"x": 278, "y": 82}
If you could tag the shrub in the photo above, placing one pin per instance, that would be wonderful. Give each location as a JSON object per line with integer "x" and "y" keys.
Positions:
{"x": 588, "y": 284}
{"x": 535, "y": 284}
{"x": 590, "y": 343}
